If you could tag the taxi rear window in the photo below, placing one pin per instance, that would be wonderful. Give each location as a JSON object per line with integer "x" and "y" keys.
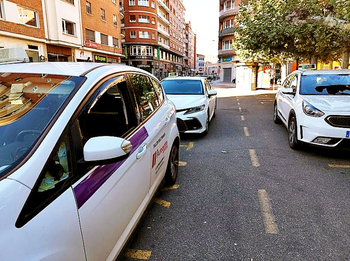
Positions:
{"x": 28, "y": 103}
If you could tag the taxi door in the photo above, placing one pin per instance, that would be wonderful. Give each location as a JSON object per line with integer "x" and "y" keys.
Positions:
{"x": 111, "y": 198}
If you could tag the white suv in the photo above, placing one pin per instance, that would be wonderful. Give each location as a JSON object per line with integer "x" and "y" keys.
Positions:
{"x": 83, "y": 148}
{"x": 315, "y": 107}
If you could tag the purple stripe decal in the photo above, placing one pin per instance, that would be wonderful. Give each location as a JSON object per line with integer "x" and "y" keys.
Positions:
{"x": 85, "y": 189}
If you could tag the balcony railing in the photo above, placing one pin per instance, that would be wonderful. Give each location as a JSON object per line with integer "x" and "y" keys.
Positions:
{"x": 227, "y": 31}
{"x": 164, "y": 19}
{"x": 229, "y": 12}
{"x": 163, "y": 4}
{"x": 227, "y": 52}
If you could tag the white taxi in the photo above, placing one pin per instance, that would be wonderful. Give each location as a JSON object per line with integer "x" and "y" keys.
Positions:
{"x": 315, "y": 108}
{"x": 83, "y": 148}
{"x": 195, "y": 102}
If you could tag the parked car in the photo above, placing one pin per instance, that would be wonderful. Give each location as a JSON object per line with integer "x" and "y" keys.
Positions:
{"x": 314, "y": 106}
{"x": 195, "y": 102}
{"x": 83, "y": 148}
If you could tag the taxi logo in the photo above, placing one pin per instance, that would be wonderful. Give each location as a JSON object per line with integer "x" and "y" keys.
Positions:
{"x": 158, "y": 153}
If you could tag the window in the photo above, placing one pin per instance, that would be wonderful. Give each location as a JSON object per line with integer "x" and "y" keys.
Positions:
{"x": 115, "y": 20}
{"x": 143, "y": 2}
{"x": 144, "y": 35}
{"x": 153, "y": 5}
{"x": 153, "y": 20}
{"x": 114, "y": 1}
{"x": 115, "y": 42}
{"x": 90, "y": 35}
{"x": 141, "y": 50}
{"x": 88, "y": 7}
{"x": 103, "y": 14}
{"x": 229, "y": 5}
{"x": 227, "y": 45}
{"x": 70, "y": 1}
{"x": 68, "y": 27}
{"x": 153, "y": 36}
{"x": 1, "y": 14}
{"x": 146, "y": 95}
{"x": 131, "y": 2}
{"x": 143, "y": 19}
{"x": 132, "y": 18}
{"x": 27, "y": 17}
{"x": 132, "y": 34}
{"x": 104, "y": 39}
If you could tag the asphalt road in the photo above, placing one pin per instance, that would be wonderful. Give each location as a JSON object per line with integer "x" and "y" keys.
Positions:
{"x": 243, "y": 194}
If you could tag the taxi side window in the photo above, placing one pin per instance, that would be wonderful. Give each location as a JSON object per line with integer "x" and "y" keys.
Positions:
{"x": 293, "y": 83}
{"x": 54, "y": 180}
{"x": 146, "y": 95}
{"x": 159, "y": 90}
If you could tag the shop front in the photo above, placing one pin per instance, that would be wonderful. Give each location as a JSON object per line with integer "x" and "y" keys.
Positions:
{"x": 59, "y": 53}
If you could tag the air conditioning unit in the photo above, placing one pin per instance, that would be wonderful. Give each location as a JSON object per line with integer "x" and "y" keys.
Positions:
{"x": 13, "y": 55}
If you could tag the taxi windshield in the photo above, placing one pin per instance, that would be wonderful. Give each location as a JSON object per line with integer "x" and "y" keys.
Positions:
{"x": 326, "y": 84}
{"x": 28, "y": 102}
{"x": 183, "y": 87}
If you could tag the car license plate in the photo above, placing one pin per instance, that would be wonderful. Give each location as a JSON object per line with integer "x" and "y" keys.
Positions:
{"x": 347, "y": 134}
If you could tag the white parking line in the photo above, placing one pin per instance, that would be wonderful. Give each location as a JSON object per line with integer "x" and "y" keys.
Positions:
{"x": 246, "y": 131}
{"x": 254, "y": 158}
{"x": 242, "y": 118}
{"x": 240, "y": 109}
{"x": 269, "y": 219}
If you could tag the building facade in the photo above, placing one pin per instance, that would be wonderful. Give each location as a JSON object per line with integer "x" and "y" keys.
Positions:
{"x": 22, "y": 25}
{"x": 200, "y": 64}
{"x": 190, "y": 59}
{"x": 226, "y": 54}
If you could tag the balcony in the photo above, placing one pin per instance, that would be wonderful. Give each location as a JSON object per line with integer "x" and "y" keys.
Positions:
{"x": 164, "y": 19}
{"x": 227, "y": 32}
{"x": 121, "y": 11}
{"x": 230, "y": 12}
{"x": 163, "y": 5}
{"x": 226, "y": 52}
{"x": 162, "y": 32}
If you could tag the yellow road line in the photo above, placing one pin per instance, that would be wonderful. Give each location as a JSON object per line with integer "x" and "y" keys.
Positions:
{"x": 138, "y": 254}
{"x": 339, "y": 166}
{"x": 242, "y": 118}
{"x": 182, "y": 164}
{"x": 170, "y": 188}
{"x": 254, "y": 158}
{"x": 188, "y": 147}
{"x": 246, "y": 131}
{"x": 269, "y": 219}
{"x": 162, "y": 202}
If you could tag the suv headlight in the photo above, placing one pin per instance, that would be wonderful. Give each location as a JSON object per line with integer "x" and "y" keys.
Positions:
{"x": 195, "y": 109}
{"x": 310, "y": 110}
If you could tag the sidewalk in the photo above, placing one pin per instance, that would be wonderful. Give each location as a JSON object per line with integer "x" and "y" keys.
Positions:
{"x": 226, "y": 89}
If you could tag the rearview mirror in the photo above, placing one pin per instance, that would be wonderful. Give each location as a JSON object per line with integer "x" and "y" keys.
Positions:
{"x": 288, "y": 91}
{"x": 212, "y": 93}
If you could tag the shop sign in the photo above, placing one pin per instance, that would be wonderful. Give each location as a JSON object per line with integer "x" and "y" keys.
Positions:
{"x": 142, "y": 57}
{"x": 227, "y": 59}
{"x": 88, "y": 43}
{"x": 144, "y": 66}
{"x": 99, "y": 58}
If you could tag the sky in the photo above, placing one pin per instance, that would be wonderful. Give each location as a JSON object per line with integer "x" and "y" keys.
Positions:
{"x": 204, "y": 17}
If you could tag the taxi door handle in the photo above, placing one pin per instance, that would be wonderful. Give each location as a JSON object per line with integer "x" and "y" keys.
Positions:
{"x": 167, "y": 120}
{"x": 141, "y": 151}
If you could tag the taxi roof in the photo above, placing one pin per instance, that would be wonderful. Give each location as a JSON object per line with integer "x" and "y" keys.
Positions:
{"x": 60, "y": 68}
{"x": 321, "y": 72}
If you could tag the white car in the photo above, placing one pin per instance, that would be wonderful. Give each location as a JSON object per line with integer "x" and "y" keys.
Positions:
{"x": 83, "y": 148}
{"x": 195, "y": 102}
{"x": 315, "y": 107}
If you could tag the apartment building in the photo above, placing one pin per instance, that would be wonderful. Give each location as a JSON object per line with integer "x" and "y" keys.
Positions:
{"x": 101, "y": 31}
{"x": 190, "y": 59}
{"x": 200, "y": 64}
{"x": 226, "y": 54}
{"x": 22, "y": 25}
{"x": 63, "y": 30}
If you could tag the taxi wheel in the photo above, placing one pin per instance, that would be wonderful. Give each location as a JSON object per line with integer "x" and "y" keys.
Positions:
{"x": 173, "y": 166}
{"x": 276, "y": 119}
{"x": 292, "y": 134}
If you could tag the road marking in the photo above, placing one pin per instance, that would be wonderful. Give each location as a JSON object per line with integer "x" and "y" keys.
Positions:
{"x": 246, "y": 131}
{"x": 188, "y": 147}
{"x": 339, "y": 166}
{"x": 162, "y": 202}
{"x": 254, "y": 158}
{"x": 269, "y": 220}
{"x": 138, "y": 254}
{"x": 240, "y": 109}
{"x": 170, "y": 188}
{"x": 242, "y": 118}
{"x": 262, "y": 103}
{"x": 238, "y": 103}
{"x": 237, "y": 99}
{"x": 182, "y": 164}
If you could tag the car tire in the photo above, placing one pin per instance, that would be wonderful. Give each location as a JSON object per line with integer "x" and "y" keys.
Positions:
{"x": 276, "y": 118}
{"x": 293, "y": 134}
{"x": 173, "y": 166}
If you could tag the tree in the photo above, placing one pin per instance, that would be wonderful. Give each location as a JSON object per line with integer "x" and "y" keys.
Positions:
{"x": 281, "y": 30}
